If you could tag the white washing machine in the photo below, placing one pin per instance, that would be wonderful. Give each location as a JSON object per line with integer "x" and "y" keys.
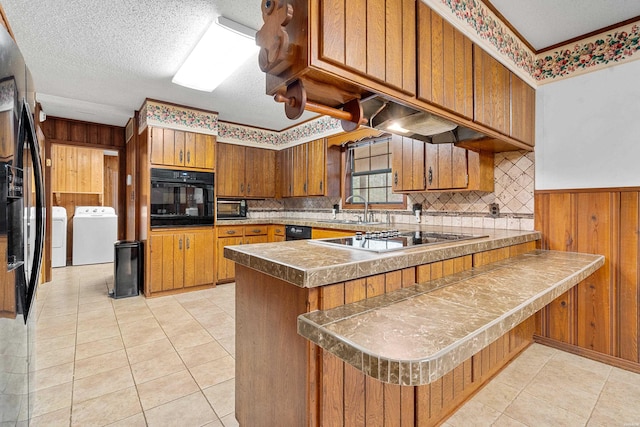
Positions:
{"x": 95, "y": 230}
{"x": 59, "y": 237}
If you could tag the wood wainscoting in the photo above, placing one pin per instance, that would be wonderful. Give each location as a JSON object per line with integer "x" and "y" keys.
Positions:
{"x": 598, "y": 318}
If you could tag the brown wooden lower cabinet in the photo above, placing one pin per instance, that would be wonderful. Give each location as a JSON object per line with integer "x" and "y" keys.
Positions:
{"x": 598, "y": 318}
{"x": 229, "y": 235}
{"x": 283, "y": 379}
{"x": 180, "y": 259}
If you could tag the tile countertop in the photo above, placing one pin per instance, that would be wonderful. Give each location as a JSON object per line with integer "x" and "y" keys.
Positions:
{"x": 415, "y": 335}
{"x": 308, "y": 264}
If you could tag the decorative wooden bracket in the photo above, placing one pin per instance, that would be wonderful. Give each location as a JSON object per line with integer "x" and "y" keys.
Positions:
{"x": 295, "y": 103}
{"x": 273, "y": 39}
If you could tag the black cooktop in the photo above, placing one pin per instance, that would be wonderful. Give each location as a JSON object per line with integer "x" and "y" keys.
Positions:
{"x": 393, "y": 240}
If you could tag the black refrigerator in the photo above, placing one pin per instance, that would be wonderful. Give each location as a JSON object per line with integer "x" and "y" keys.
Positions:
{"x": 21, "y": 232}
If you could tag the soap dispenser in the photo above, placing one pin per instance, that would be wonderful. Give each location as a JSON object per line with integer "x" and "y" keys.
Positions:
{"x": 417, "y": 211}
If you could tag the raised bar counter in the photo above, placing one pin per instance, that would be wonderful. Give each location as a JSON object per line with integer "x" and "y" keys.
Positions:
{"x": 413, "y": 336}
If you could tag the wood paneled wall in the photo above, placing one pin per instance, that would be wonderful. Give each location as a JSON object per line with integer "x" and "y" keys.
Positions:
{"x": 599, "y": 318}
{"x": 74, "y": 132}
{"x": 89, "y": 135}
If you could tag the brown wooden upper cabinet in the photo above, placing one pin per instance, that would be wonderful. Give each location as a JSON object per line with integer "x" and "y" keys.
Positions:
{"x": 309, "y": 169}
{"x": 492, "y": 81}
{"x": 423, "y": 167}
{"x": 445, "y": 63}
{"x": 171, "y": 147}
{"x": 245, "y": 171}
{"x": 503, "y": 101}
{"x": 523, "y": 114}
{"x": 374, "y": 38}
{"x": 344, "y": 50}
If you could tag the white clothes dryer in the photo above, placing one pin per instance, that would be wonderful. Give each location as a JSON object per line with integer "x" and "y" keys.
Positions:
{"x": 58, "y": 237}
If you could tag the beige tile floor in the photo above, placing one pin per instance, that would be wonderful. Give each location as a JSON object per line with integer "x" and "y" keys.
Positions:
{"x": 170, "y": 361}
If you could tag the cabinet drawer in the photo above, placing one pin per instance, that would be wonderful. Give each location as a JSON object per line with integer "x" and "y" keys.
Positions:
{"x": 231, "y": 231}
{"x": 255, "y": 230}
{"x": 278, "y": 230}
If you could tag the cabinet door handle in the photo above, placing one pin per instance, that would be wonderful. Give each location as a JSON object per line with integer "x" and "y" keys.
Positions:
{"x": 181, "y": 155}
{"x": 256, "y": 230}
{"x": 248, "y": 188}
{"x": 242, "y": 187}
{"x": 188, "y": 243}
{"x": 304, "y": 188}
{"x": 395, "y": 178}
{"x": 231, "y": 231}
{"x": 430, "y": 175}
{"x": 320, "y": 185}
{"x": 189, "y": 157}
{"x": 180, "y": 244}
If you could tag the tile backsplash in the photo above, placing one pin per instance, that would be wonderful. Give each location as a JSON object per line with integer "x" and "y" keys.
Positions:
{"x": 514, "y": 186}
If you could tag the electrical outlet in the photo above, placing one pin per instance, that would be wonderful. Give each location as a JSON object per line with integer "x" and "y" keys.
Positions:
{"x": 494, "y": 210}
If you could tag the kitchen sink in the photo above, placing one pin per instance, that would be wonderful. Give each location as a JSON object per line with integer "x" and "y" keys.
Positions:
{"x": 349, "y": 221}
{"x": 397, "y": 241}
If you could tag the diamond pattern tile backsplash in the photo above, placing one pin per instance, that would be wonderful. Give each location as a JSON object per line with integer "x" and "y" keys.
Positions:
{"x": 514, "y": 186}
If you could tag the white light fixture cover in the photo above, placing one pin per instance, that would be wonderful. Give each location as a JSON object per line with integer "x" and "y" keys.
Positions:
{"x": 222, "y": 49}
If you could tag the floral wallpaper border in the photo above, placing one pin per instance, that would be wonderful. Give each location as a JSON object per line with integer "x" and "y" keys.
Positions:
{"x": 304, "y": 132}
{"x": 600, "y": 51}
{"x": 183, "y": 118}
{"x": 176, "y": 117}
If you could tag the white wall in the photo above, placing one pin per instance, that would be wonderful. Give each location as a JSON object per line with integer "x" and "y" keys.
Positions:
{"x": 588, "y": 130}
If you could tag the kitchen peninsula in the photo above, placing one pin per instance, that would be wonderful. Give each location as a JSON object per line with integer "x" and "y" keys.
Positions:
{"x": 331, "y": 336}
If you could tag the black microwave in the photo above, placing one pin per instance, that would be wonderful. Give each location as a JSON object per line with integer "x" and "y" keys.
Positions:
{"x": 231, "y": 209}
{"x": 181, "y": 198}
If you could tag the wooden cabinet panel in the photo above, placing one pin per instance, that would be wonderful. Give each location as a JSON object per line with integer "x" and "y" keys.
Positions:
{"x": 201, "y": 256}
{"x": 420, "y": 166}
{"x": 277, "y": 233}
{"x": 445, "y": 63}
{"x": 181, "y": 259}
{"x": 326, "y": 233}
{"x": 407, "y": 164}
{"x": 245, "y": 171}
{"x": 179, "y": 246}
{"x": 299, "y": 168}
{"x": 237, "y": 235}
{"x": 230, "y": 170}
{"x": 316, "y": 167}
{"x": 179, "y": 148}
{"x": 446, "y": 167}
{"x": 491, "y": 92}
{"x": 375, "y": 38}
{"x": 523, "y": 114}
{"x": 260, "y": 172}
{"x": 190, "y": 150}
{"x": 225, "y": 269}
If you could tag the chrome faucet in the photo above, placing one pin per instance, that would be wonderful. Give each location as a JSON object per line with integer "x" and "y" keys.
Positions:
{"x": 366, "y": 204}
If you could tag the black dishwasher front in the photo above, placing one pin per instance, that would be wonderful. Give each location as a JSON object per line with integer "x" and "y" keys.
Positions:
{"x": 297, "y": 232}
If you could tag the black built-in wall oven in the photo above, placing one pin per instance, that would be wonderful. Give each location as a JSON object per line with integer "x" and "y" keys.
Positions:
{"x": 181, "y": 198}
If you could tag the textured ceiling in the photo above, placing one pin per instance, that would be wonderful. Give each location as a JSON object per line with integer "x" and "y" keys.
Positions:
{"x": 98, "y": 60}
{"x": 544, "y": 23}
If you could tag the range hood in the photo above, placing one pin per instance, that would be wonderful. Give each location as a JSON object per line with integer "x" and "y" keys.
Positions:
{"x": 393, "y": 117}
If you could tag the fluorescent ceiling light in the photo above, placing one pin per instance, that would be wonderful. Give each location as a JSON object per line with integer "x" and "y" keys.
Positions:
{"x": 222, "y": 49}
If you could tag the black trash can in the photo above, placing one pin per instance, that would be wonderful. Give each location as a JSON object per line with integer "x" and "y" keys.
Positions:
{"x": 127, "y": 269}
